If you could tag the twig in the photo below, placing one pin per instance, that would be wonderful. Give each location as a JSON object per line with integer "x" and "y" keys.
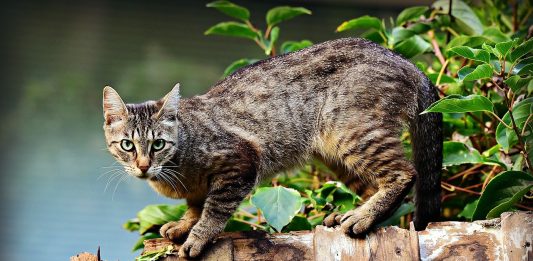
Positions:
{"x": 452, "y": 188}
{"x": 520, "y": 140}
{"x": 523, "y": 206}
{"x": 250, "y": 223}
{"x": 465, "y": 172}
{"x": 452, "y": 19}
{"x": 489, "y": 177}
{"x": 436, "y": 48}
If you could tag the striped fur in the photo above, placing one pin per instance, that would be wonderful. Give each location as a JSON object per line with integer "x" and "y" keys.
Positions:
{"x": 345, "y": 101}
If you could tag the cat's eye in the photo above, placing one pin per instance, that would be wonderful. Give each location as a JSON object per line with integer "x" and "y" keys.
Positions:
{"x": 158, "y": 144}
{"x": 127, "y": 145}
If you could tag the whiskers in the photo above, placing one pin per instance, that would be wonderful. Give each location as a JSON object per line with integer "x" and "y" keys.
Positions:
{"x": 116, "y": 173}
{"x": 170, "y": 176}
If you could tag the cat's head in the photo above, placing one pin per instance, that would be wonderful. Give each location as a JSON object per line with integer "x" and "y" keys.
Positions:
{"x": 142, "y": 137}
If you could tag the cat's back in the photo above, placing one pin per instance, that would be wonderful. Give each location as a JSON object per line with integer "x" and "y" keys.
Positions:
{"x": 308, "y": 70}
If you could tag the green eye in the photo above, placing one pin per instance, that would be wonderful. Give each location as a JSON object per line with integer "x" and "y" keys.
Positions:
{"x": 158, "y": 144}
{"x": 127, "y": 145}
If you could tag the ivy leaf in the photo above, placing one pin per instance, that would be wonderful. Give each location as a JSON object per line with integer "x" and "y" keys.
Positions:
{"x": 457, "y": 153}
{"x": 278, "y": 204}
{"x": 502, "y": 192}
{"x": 279, "y": 14}
{"x": 153, "y": 215}
{"x": 234, "y": 66}
{"x": 234, "y": 29}
{"x": 468, "y": 210}
{"x": 495, "y": 35}
{"x": 231, "y": 9}
{"x": 411, "y": 13}
{"x": 298, "y": 223}
{"x": 503, "y": 48}
{"x": 363, "y": 22}
{"x": 458, "y": 103}
{"x": 465, "y": 19}
{"x": 291, "y": 46}
{"x": 507, "y": 137}
{"x": 472, "y": 54}
{"x": 516, "y": 83}
{"x": 482, "y": 71}
{"x": 470, "y": 41}
{"x": 399, "y": 34}
{"x": 443, "y": 78}
{"x": 523, "y": 49}
{"x": 412, "y": 46}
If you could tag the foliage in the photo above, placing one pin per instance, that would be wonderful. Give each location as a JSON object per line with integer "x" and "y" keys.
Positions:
{"x": 479, "y": 58}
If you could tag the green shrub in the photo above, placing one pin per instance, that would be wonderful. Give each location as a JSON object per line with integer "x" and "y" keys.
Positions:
{"x": 479, "y": 57}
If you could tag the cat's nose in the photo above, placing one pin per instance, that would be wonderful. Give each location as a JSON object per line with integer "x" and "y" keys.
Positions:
{"x": 144, "y": 168}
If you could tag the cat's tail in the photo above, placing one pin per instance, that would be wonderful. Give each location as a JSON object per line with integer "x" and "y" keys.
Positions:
{"x": 426, "y": 138}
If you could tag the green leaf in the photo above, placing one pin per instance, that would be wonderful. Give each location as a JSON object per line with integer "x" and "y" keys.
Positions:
{"x": 274, "y": 35}
{"x": 279, "y": 14}
{"x": 471, "y": 41}
{"x": 502, "y": 192}
{"x": 465, "y": 19}
{"x": 482, "y": 71}
{"x": 516, "y": 83}
{"x": 468, "y": 210}
{"x": 443, "y": 79}
{"x": 472, "y": 54}
{"x": 503, "y": 48}
{"x": 298, "y": 223}
{"x": 457, "y": 153}
{"x": 525, "y": 70}
{"x": 278, "y": 204}
{"x": 394, "y": 219}
{"x": 153, "y": 215}
{"x": 234, "y": 66}
{"x": 458, "y": 103}
{"x": 131, "y": 225}
{"x": 156, "y": 254}
{"x": 495, "y": 35}
{"x": 232, "y": 29}
{"x": 231, "y": 9}
{"x": 291, "y": 46}
{"x": 523, "y": 49}
{"x": 521, "y": 111}
{"x": 399, "y": 34}
{"x": 411, "y": 13}
{"x": 363, "y": 22}
{"x": 412, "y": 46}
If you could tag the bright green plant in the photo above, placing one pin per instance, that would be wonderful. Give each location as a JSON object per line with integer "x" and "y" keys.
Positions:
{"x": 479, "y": 57}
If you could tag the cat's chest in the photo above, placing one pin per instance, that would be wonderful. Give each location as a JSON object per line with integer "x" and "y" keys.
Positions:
{"x": 169, "y": 190}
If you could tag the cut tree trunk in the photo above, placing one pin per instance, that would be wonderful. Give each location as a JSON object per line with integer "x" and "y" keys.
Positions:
{"x": 507, "y": 238}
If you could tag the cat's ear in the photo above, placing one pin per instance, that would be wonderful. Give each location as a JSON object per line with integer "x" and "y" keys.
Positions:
{"x": 170, "y": 103}
{"x": 114, "y": 107}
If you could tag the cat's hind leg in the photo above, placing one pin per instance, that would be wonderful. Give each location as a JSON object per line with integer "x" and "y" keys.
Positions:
{"x": 380, "y": 160}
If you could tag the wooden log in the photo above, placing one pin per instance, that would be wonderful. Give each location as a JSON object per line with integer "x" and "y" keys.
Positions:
{"x": 510, "y": 239}
{"x": 517, "y": 235}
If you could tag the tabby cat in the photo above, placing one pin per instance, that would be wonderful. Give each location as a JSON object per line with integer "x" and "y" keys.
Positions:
{"x": 344, "y": 101}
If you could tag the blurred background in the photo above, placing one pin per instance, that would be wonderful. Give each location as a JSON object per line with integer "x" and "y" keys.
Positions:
{"x": 57, "y": 57}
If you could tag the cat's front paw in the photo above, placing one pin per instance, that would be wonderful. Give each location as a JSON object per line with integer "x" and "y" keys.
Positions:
{"x": 175, "y": 231}
{"x": 356, "y": 222}
{"x": 333, "y": 219}
{"x": 193, "y": 246}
